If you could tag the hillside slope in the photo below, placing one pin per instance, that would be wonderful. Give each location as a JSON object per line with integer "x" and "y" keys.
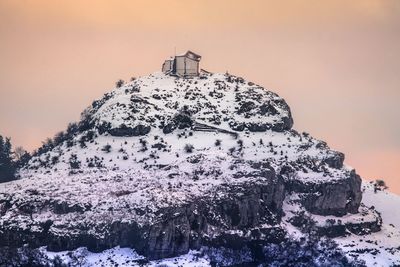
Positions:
{"x": 165, "y": 164}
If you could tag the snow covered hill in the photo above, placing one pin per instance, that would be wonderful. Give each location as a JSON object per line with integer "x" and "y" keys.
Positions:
{"x": 165, "y": 165}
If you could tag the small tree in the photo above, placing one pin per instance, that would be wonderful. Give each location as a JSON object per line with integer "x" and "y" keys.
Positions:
{"x": 23, "y": 160}
{"x": 218, "y": 142}
{"x": 106, "y": 148}
{"x": 189, "y": 148}
{"x": 7, "y": 166}
{"x": 74, "y": 163}
{"x": 59, "y": 138}
{"x": 21, "y": 157}
{"x": 119, "y": 83}
{"x": 380, "y": 185}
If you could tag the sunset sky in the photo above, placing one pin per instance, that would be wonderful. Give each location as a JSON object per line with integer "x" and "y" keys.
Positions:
{"x": 337, "y": 63}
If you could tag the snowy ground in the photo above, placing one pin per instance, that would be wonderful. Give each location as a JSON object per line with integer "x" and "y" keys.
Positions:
{"x": 387, "y": 203}
{"x": 381, "y": 248}
{"x": 124, "y": 257}
{"x": 376, "y": 249}
{"x": 153, "y": 170}
{"x": 215, "y": 100}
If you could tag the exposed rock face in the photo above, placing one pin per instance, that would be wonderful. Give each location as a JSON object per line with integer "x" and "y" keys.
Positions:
{"x": 332, "y": 198}
{"x": 201, "y": 221}
{"x": 188, "y": 162}
{"x": 366, "y": 222}
{"x": 123, "y": 130}
{"x": 361, "y": 228}
{"x": 335, "y": 161}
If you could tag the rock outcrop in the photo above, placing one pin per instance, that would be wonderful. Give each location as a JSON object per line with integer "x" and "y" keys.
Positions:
{"x": 331, "y": 198}
{"x": 174, "y": 229}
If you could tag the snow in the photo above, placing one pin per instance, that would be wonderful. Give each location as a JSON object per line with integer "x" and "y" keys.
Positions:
{"x": 143, "y": 174}
{"x": 138, "y": 169}
{"x": 385, "y": 202}
{"x": 381, "y": 248}
{"x": 126, "y": 257}
{"x": 197, "y": 95}
{"x": 376, "y": 249}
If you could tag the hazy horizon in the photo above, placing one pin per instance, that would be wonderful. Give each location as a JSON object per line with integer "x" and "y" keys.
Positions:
{"x": 336, "y": 63}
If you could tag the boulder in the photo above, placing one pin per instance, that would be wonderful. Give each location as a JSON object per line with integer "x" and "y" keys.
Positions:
{"x": 124, "y": 130}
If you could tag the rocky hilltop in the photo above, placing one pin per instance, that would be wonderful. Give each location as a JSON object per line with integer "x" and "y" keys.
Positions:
{"x": 165, "y": 165}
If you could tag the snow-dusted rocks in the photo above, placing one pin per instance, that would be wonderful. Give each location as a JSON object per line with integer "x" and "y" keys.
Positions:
{"x": 166, "y": 164}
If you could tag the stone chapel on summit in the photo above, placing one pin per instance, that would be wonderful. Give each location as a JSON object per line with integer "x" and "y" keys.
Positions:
{"x": 184, "y": 65}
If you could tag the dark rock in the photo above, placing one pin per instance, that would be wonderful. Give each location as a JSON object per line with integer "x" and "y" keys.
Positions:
{"x": 186, "y": 228}
{"x": 331, "y": 198}
{"x": 354, "y": 228}
{"x": 284, "y": 125}
{"x": 169, "y": 128}
{"x": 335, "y": 161}
{"x": 258, "y": 127}
{"x": 183, "y": 121}
{"x": 124, "y": 130}
{"x": 159, "y": 146}
{"x": 237, "y": 126}
{"x": 246, "y": 107}
{"x": 268, "y": 109}
{"x": 63, "y": 207}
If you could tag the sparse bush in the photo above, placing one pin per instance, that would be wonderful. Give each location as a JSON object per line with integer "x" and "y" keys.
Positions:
{"x": 70, "y": 143}
{"x": 189, "y": 148}
{"x": 23, "y": 160}
{"x": 74, "y": 163}
{"x": 95, "y": 162}
{"x": 59, "y": 138}
{"x": 240, "y": 143}
{"x": 144, "y": 145}
{"x": 24, "y": 256}
{"x": 119, "y": 83}
{"x": 78, "y": 257}
{"x": 106, "y": 148}
{"x": 379, "y": 185}
{"x": 82, "y": 143}
{"x": 218, "y": 142}
{"x": 54, "y": 160}
{"x": 72, "y": 129}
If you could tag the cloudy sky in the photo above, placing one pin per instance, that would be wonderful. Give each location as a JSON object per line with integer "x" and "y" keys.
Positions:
{"x": 337, "y": 63}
